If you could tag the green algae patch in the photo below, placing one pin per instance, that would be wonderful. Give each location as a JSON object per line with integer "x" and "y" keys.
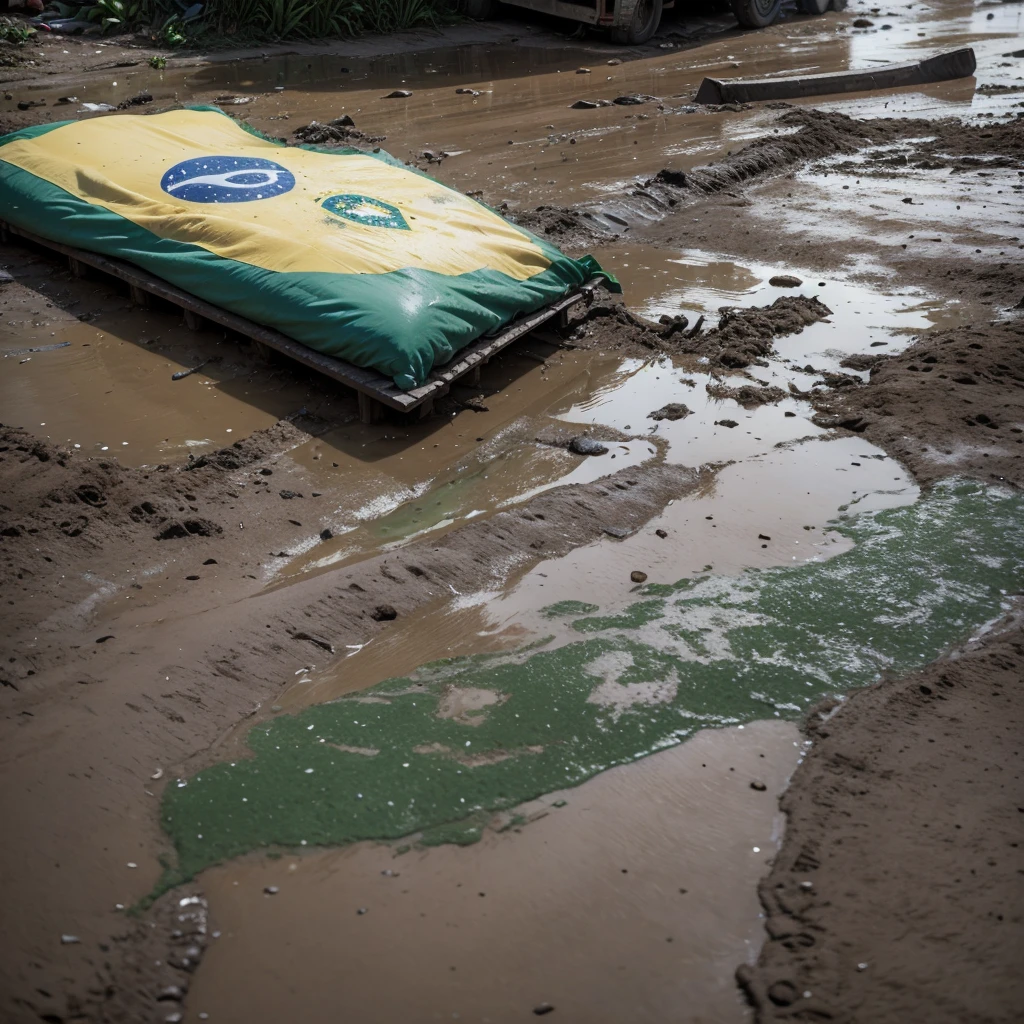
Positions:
{"x": 464, "y": 738}
{"x": 563, "y": 608}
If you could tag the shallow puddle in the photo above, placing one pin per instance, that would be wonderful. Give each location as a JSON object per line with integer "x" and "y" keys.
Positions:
{"x": 668, "y": 851}
{"x": 697, "y": 653}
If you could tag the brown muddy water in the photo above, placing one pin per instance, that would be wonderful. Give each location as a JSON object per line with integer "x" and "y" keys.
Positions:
{"x": 624, "y": 899}
{"x": 584, "y": 907}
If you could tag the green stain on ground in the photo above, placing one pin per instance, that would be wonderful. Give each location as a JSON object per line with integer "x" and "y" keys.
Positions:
{"x": 707, "y": 652}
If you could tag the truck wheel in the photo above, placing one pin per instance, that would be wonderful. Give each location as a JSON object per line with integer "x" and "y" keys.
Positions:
{"x": 756, "y": 13}
{"x": 479, "y": 10}
{"x": 814, "y": 6}
{"x": 643, "y": 24}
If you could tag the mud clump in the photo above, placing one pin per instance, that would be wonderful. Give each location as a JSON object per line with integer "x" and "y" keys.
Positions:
{"x": 750, "y": 396}
{"x": 672, "y": 411}
{"x": 951, "y": 404}
{"x": 745, "y": 336}
{"x": 742, "y": 337}
{"x": 903, "y": 806}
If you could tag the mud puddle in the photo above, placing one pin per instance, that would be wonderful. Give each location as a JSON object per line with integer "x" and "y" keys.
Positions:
{"x": 105, "y": 383}
{"x": 668, "y": 852}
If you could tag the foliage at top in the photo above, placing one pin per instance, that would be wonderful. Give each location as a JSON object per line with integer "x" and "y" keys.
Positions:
{"x": 175, "y": 23}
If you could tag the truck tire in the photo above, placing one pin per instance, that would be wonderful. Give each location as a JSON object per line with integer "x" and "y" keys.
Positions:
{"x": 756, "y": 13}
{"x": 814, "y": 6}
{"x": 479, "y": 10}
{"x": 643, "y": 24}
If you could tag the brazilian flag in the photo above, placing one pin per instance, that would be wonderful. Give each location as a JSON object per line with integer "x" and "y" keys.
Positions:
{"x": 348, "y": 252}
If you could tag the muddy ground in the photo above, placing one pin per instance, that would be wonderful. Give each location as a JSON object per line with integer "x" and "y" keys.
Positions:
{"x": 158, "y": 604}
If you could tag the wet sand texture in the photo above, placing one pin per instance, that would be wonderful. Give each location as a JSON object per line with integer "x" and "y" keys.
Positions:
{"x": 897, "y": 894}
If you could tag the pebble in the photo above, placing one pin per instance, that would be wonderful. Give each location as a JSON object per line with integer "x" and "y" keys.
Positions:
{"x": 69, "y": 940}
{"x": 326, "y": 534}
{"x": 363, "y": 910}
{"x": 726, "y": 423}
{"x": 271, "y": 890}
{"x": 587, "y": 446}
{"x": 785, "y": 281}
{"x": 758, "y": 785}
{"x": 384, "y": 613}
{"x": 637, "y": 576}
{"x": 290, "y": 494}
{"x": 863, "y": 23}
{"x": 583, "y": 71}
{"x": 543, "y": 1008}
{"x": 398, "y": 94}
{"x": 661, "y": 533}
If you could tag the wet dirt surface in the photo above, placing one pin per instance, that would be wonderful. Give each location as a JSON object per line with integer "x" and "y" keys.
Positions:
{"x": 492, "y": 931}
{"x": 186, "y": 648}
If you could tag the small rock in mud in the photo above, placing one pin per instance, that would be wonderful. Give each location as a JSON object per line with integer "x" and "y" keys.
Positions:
{"x": 363, "y": 910}
{"x": 587, "y": 446}
{"x": 288, "y": 495}
{"x": 785, "y": 281}
{"x": 637, "y": 576}
{"x": 583, "y": 71}
{"x": 661, "y": 533}
{"x": 542, "y": 1009}
{"x": 271, "y": 890}
{"x": 397, "y": 94}
{"x": 326, "y": 534}
{"x": 672, "y": 411}
{"x": 69, "y": 940}
{"x": 589, "y": 104}
{"x": 383, "y": 613}
{"x": 467, "y": 92}
{"x": 863, "y": 23}
{"x": 758, "y": 785}
{"x": 726, "y": 423}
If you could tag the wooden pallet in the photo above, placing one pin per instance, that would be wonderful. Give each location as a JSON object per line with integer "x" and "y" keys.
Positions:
{"x": 376, "y": 392}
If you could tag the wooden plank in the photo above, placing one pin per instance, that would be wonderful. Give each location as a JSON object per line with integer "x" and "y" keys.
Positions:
{"x": 369, "y": 383}
{"x": 940, "y": 68}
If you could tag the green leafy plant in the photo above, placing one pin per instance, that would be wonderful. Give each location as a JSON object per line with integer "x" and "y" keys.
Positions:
{"x": 16, "y": 32}
{"x": 157, "y": 62}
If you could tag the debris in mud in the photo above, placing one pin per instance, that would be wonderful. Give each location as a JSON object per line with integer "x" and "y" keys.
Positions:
{"x": 271, "y": 890}
{"x": 785, "y": 281}
{"x": 288, "y": 495}
{"x": 182, "y": 374}
{"x": 726, "y": 423}
{"x": 398, "y": 94}
{"x": 672, "y": 411}
{"x": 136, "y": 101}
{"x": 341, "y": 131}
{"x": 467, "y": 92}
{"x": 634, "y": 99}
{"x": 542, "y": 1009}
{"x": 589, "y": 104}
{"x": 750, "y": 396}
{"x": 383, "y": 613}
{"x": 636, "y": 576}
{"x": 69, "y": 940}
{"x": 587, "y": 446}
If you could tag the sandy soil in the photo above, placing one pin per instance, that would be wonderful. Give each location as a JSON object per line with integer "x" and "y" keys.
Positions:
{"x": 101, "y": 700}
